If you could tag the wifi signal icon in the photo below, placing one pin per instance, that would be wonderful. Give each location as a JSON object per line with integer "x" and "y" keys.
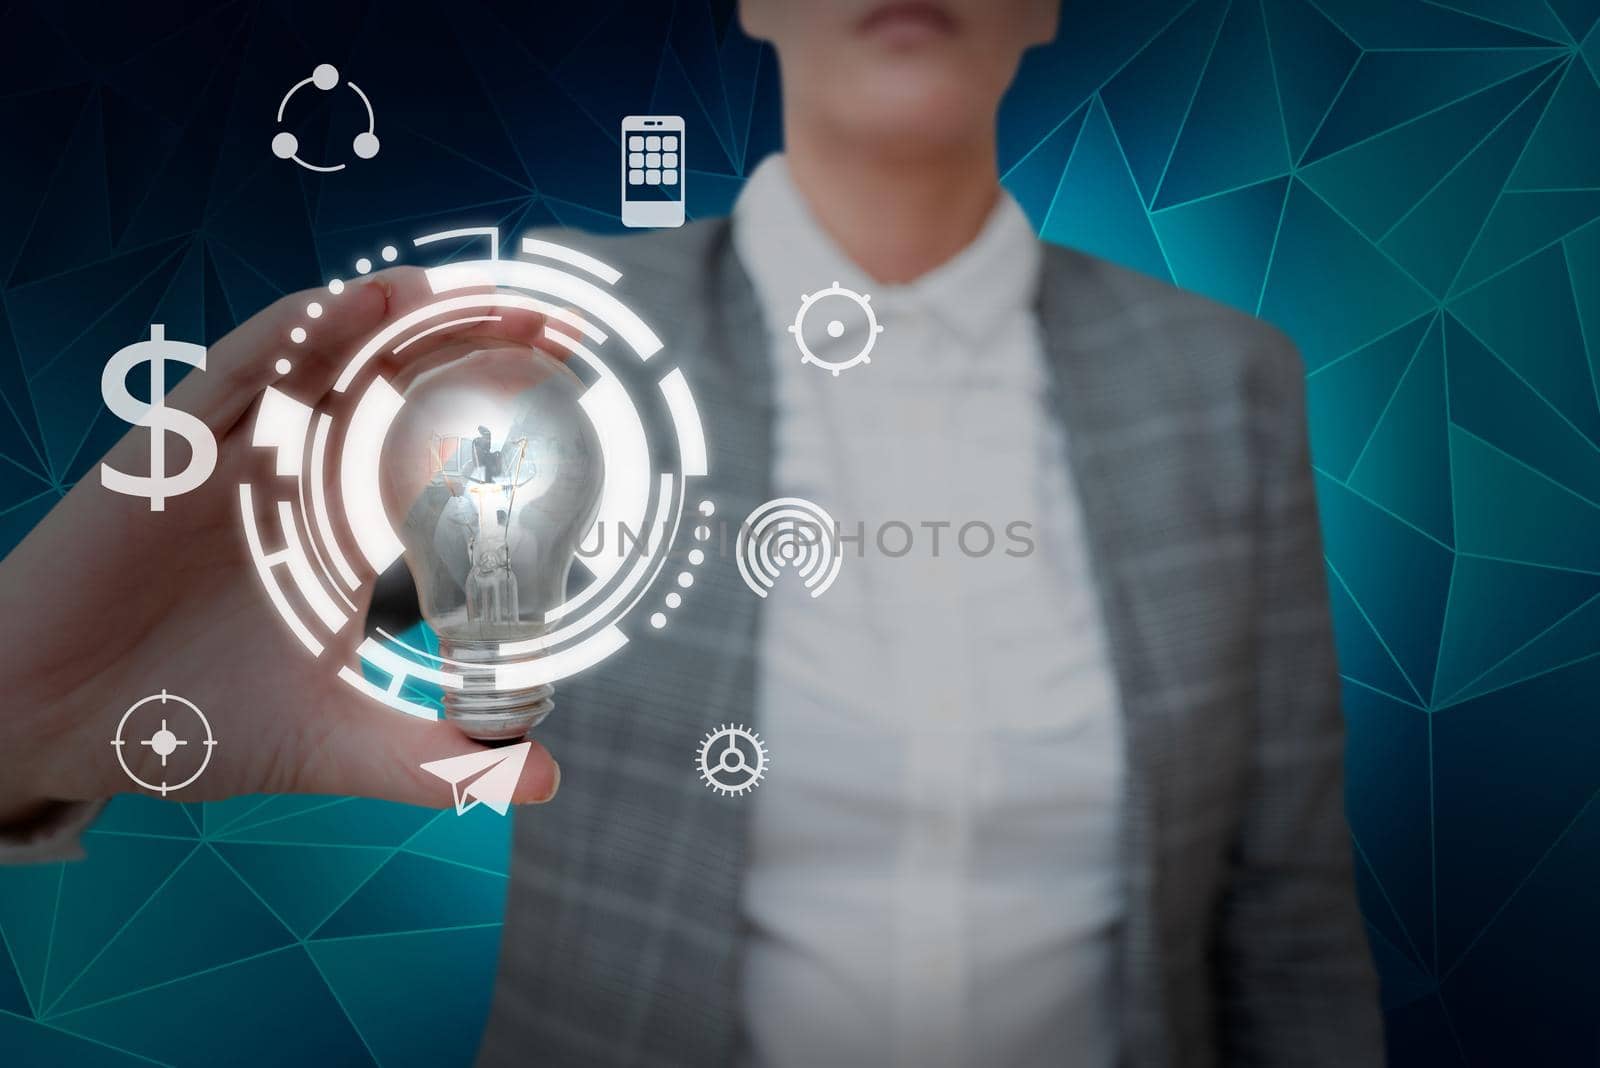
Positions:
{"x": 789, "y": 533}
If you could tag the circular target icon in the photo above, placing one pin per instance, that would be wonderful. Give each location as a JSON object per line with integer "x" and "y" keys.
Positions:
{"x": 175, "y": 731}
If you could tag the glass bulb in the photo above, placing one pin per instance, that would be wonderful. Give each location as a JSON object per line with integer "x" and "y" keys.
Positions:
{"x": 492, "y": 473}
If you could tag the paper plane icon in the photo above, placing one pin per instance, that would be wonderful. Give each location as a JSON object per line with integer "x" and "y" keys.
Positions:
{"x": 497, "y": 772}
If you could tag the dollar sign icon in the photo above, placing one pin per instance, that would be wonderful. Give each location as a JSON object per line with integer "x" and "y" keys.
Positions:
{"x": 158, "y": 486}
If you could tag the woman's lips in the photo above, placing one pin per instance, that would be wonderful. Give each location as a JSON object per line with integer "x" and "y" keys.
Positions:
{"x": 909, "y": 21}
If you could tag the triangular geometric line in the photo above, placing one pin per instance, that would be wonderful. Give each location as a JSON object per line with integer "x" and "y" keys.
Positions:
{"x": 1272, "y": 255}
{"x": 1564, "y": 41}
{"x": 1342, "y": 217}
{"x": 1513, "y": 265}
{"x": 374, "y": 873}
{"x": 1134, "y": 55}
{"x": 622, "y": 908}
{"x": 1116, "y": 139}
{"x": 39, "y": 476}
{"x": 337, "y": 1000}
{"x": 27, "y": 995}
{"x": 1277, "y": 93}
{"x": 1194, "y": 94}
{"x": 1533, "y": 135}
{"x": 1541, "y": 673}
{"x": 1468, "y": 155}
{"x": 1414, "y": 118}
{"x": 1495, "y": 916}
{"x": 34, "y": 446}
{"x": 48, "y": 492}
{"x": 1542, "y": 399}
{"x": 1365, "y": 345}
{"x": 1385, "y": 694}
{"x": 1373, "y": 628}
{"x": 178, "y": 249}
{"x": 1449, "y": 1023}
{"x": 204, "y": 91}
{"x": 233, "y": 831}
{"x": 1459, "y": 690}
{"x": 1317, "y": 130}
{"x": 731, "y": 151}
{"x": 168, "y": 982}
{"x": 1042, "y": 142}
{"x": 1416, "y": 954}
{"x": 742, "y": 164}
{"x": 479, "y": 868}
{"x": 1072, "y": 154}
{"x": 1385, "y": 509}
{"x": 176, "y": 868}
{"x": 1100, "y": 88}
{"x": 50, "y": 944}
{"x": 1401, "y": 381}
{"x": 1563, "y": 487}
{"x": 223, "y": 828}
{"x": 1450, "y": 588}
{"x": 287, "y": 929}
{"x": 522, "y": 184}
{"x": 27, "y": 235}
{"x": 1541, "y": 565}
{"x": 527, "y": 181}
{"x": 1591, "y": 354}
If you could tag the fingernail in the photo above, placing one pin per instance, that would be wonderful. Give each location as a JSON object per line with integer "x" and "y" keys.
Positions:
{"x": 555, "y": 784}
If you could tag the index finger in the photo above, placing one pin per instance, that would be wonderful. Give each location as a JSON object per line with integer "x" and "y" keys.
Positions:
{"x": 242, "y": 364}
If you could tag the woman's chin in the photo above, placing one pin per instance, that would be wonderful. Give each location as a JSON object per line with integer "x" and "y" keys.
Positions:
{"x": 907, "y": 116}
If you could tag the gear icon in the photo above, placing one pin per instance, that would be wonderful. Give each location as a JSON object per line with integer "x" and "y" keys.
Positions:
{"x": 835, "y": 328}
{"x": 732, "y": 759}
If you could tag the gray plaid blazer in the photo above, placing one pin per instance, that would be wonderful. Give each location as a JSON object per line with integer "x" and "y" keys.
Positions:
{"x": 1242, "y": 943}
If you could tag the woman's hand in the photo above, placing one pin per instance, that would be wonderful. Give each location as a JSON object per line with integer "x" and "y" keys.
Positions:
{"x": 106, "y": 602}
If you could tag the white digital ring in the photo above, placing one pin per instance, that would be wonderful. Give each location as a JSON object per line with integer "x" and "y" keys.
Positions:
{"x": 573, "y": 291}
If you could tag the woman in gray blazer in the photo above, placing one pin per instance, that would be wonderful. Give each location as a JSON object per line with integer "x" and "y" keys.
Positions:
{"x": 1080, "y": 804}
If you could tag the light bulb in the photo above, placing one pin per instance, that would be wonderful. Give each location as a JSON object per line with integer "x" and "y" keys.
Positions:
{"x": 492, "y": 473}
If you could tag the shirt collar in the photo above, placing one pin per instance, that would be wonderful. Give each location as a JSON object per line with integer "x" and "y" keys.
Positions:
{"x": 787, "y": 254}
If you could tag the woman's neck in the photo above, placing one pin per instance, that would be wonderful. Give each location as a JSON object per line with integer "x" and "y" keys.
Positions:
{"x": 896, "y": 214}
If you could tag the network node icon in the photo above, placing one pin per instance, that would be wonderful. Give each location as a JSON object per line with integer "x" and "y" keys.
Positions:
{"x": 325, "y": 77}
{"x": 732, "y": 759}
{"x": 164, "y": 741}
{"x": 835, "y": 328}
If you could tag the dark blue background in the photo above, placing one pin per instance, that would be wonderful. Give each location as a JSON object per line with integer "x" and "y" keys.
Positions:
{"x": 1409, "y": 188}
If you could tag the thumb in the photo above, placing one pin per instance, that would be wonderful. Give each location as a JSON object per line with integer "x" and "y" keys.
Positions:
{"x": 376, "y": 752}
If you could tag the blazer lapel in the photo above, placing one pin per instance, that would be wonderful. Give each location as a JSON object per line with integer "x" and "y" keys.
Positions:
{"x": 1092, "y": 397}
{"x": 632, "y": 876}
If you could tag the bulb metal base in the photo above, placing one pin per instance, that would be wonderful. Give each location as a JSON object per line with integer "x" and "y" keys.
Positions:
{"x": 482, "y": 712}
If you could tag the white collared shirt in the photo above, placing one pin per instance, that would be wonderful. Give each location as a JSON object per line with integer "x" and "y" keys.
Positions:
{"x": 934, "y": 872}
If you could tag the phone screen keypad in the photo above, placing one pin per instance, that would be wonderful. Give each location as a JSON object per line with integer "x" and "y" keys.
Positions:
{"x": 653, "y": 159}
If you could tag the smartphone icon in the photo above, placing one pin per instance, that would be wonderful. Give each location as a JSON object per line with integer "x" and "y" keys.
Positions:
{"x": 652, "y": 170}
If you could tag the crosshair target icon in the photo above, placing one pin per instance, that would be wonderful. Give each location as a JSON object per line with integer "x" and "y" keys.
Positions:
{"x": 164, "y": 741}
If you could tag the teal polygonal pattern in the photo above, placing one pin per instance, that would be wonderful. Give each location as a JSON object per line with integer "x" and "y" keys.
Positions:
{"x": 1409, "y": 188}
